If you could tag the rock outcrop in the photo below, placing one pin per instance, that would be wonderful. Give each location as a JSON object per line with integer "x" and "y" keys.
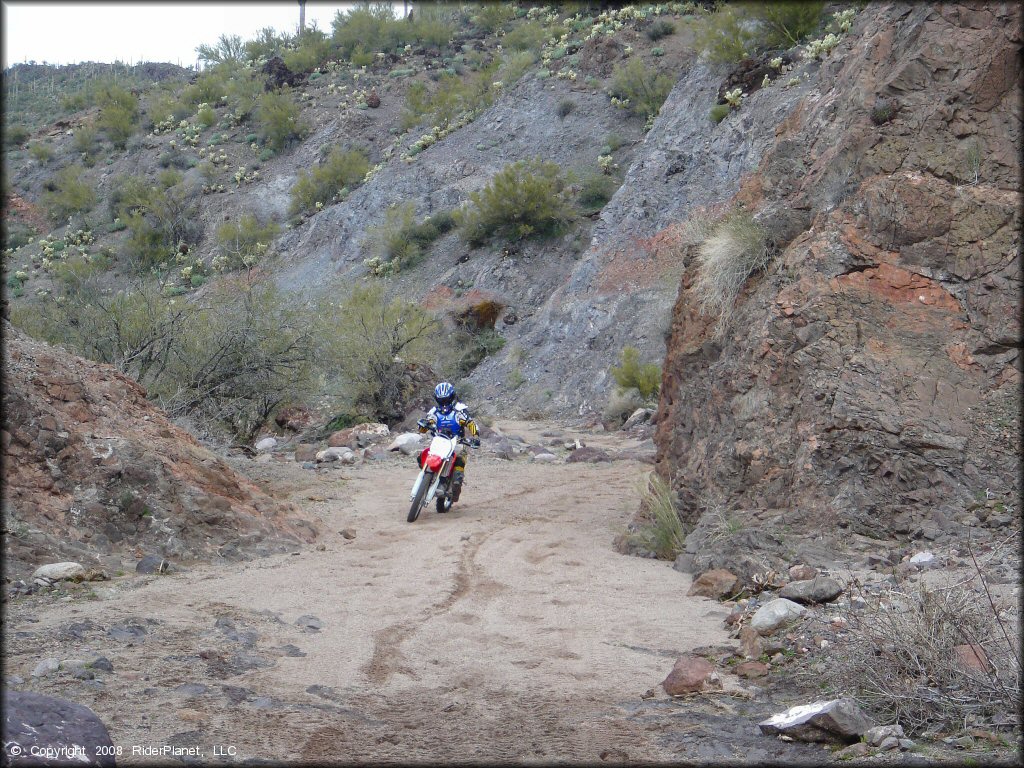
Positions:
{"x": 93, "y": 469}
{"x": 870, "y": 379}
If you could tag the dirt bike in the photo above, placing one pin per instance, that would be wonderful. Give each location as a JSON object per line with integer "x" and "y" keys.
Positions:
{"x": 437, "y": 463}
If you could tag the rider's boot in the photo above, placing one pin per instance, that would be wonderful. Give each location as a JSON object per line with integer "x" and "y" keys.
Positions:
{"x": 457, "y": 477}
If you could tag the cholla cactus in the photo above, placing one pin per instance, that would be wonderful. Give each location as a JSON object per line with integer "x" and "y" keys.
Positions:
{"x": 734, "y": 97}
{"x": 776, "y": 63}
{"x": 606, "y": 164}
{"x": 844, "y": 19}
{"x": 819, "y": 49}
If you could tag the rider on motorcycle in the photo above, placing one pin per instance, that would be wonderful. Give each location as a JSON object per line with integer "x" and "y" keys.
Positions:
{"x": 450, "y": 416}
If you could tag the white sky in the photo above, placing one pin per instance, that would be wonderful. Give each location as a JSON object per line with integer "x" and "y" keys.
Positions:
{"x": 68, "y": 33}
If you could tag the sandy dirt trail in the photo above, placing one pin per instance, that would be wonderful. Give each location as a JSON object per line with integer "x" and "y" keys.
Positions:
{"x": 505, "y": 630}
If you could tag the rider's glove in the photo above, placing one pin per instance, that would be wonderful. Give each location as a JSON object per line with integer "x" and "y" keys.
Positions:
{"x": 422, "y": 424}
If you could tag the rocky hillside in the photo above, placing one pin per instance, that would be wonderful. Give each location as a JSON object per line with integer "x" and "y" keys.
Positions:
{"x": 94, "y": 473}
{"x": 869, "y": 380}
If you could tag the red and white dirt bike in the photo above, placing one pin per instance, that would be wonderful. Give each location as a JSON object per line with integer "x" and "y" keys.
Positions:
{"x": 434, "y": 481}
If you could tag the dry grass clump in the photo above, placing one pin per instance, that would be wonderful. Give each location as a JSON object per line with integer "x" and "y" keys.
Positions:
{"x": 903, "y": 657}
{"x": 733, "y": 250}
{"x": 664, "y": 534}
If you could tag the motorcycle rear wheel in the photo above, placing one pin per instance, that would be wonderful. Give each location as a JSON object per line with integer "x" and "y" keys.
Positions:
{"x": 421, "y": 495}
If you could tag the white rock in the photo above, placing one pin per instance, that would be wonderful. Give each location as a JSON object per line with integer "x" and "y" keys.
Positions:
{"x": 371, "y": 428}
{"x": 266, "y": 444}
{"x": 545, "y": 458}
{"x": 922, "y": 558}
{"x": 775, "y": 614}
{"x": 407, "y": 443}
{"x": 344, "y": 455}
{"x": 46, "y": 667}
{"x": 59, "y": 571}
{"x": 639, "y": 416}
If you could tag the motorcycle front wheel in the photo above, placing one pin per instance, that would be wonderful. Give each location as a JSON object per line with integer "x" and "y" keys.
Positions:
{"x": 421, "y": 494}
{"x": 444, "y": 503}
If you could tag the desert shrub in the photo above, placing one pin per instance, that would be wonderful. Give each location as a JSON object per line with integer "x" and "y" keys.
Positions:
{"x": 719, "y": 112}
{"x": 400, "y": 241}
{"x": 735, "y": 249}
{"x": 16, "y": 135}
{"x": 643, "y": 89}
{"x": 243, "y": 92}
{"x": 40, "y": 151}
{"x": 525, "y": 199}
{"x": 370, "y": 26}
{"x": 265, "y": 45}
{"x": 530, "y": 36}
{"x": 279, "y": 120}
{"x": 313, "y": 49}
{"x": 475, "y": 348}
{"x": 84, "y": 141}
{"x": 883, "y": 112}
{"x": 119, "y": 114}
{"x": 206, "y": 117}
{"x": 128, "y": 194}
{"x": 342, "y": 169}
{"x": 432, "y": 24}
{"x": 209, "y": 88}
{"x": 491, "y": 16}
{"x": 161, "y": 226}
{"x": 901, "y": 657}
{"x": 68, "y": 193}
{"x": 169, "y": 177}
{"x": 245, "y": 350}
{"x": 16, "y": 234}
{"x": 370, "y": 344}
{"x": 596, "y": 189}
{"x": 565, "y": 107}
{"x": 645, "y": 378}
{"x": 660, "y": 28}
{"x": 662, "y": 531}
{"x": 242, "y": 242}
{"x": 164, "y": 104}
{"x": 784, "y": 23}
{"x": 725, "y": 36}
{"x": 228, "y": 48}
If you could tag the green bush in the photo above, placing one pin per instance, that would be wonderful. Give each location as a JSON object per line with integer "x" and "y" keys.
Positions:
{"x": 525, "y": 199}
{"x": 166, "y": 104}
{"x": 68, "y": 193}
{"x": 41, "y": 152}
{"x": 664, "y": 533}
{"x": 719, "y": 112}
{"x": 119, "y": 114}
{"x": 371, "y": 344}
{"x": 265, "y": 45}
{"x": 314, "y": 49}
{"x": 369, "y": 26}
{"x": 725, "y": 36}
{"x": 279, "y": 120}
{"x": 128, "y": 194}
{"x": 784, "y": 23}
{"x": 243, "y": 242}
{"x": 491, "y": 16}
{"x": 660, "y": 28}
{"x": 84, "y": 141}
{"x": 206, "y": 117}
{"x": 161, "y": 226}
{"x": 530, "y": 36}
{"x": 565, "y": 108}
{"x": 229, "y": 48}
{"x": 169, "y": 178}
{"x": 400, "y": 241}
{"x": 343, "y": 168}
{"x": 644, "y": 89}
{"x": 632, "y": 374}
{"x": 736, "y": 31}
{"x": 16, "y": 135}
{"x": 596, "y": 190}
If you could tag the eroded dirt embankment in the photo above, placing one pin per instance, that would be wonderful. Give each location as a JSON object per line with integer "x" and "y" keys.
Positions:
{"x": 506, "y": 630}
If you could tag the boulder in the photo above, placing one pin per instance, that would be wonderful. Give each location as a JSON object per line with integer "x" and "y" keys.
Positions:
{"x": 776, "y": 614}
{"x": 749, "y": 669}
{"x": 359, "y": 436}
{"x": 820, "y": 589}
{"x": 40, "y": 724}
{"x": 60, "y": 572}
{"x": 839, "y": 721}
{"x": 266, "y": 444}
{"x": 589, "y": 454}
{"x": 407, "y": 442}
{"x": 152, "y": 564}
{"x": 343, "y": 455}
{"x": 717, "y": 583}
{"x": 750, "y": 643}
{"x": 922, "y": 559}
{"x": 874, "y": 737}
{"x": 309, "y": 623}
{"x": 544, "y": 458}
{"x": 639, "y": 416}
{"x": 46, "y": 667}
{"x": 802, "y": 572}
{"x": 689, "y": 674}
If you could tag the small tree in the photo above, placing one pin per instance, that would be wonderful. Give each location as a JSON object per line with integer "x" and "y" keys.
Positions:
{"x": 279, "y": 119}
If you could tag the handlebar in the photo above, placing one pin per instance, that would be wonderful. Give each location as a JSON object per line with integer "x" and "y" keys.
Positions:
{"x": 426, "y": 426}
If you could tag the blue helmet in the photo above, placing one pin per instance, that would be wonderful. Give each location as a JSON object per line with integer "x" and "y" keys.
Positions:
{"x": 444, "y": 394}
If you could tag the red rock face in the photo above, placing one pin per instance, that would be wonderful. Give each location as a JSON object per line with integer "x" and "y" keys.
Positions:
{"x": 871, "y": 377}
{"x": 92, "y": 468}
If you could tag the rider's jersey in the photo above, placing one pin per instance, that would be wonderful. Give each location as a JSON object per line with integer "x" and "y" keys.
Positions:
{"x": 455, "y": 421}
